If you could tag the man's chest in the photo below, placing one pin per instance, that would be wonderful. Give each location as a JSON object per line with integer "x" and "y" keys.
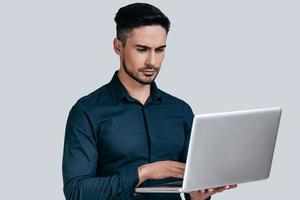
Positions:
{"x": 139, "y": 134}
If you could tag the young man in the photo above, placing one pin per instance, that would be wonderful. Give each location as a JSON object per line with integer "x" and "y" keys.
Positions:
{"x": 128, "y": 132}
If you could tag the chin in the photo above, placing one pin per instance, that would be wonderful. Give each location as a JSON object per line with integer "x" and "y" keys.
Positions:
{"x": 146, "y": 81}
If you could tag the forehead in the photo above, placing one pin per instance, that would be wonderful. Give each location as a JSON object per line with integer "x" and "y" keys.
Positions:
{"x": 151, "y": 36}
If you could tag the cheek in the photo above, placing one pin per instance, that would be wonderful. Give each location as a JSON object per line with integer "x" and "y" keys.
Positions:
{"x": 135, "y": 59}
{"x": 160, "y": 58}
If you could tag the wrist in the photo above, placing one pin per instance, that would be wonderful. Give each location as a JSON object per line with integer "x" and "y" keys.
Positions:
{"x": 142, "y": 174}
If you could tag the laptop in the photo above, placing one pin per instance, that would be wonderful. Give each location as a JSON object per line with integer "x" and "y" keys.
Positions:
{"x": 227, "y": 148}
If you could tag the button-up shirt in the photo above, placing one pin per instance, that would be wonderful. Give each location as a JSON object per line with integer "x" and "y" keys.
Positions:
{"x": 109, "y": 135}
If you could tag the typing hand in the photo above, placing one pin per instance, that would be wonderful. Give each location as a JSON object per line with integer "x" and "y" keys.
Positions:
{"x": 161, "y": 170}
{"x": 204, "y": 194}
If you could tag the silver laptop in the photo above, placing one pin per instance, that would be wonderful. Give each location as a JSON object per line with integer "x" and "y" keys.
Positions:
{"x": 227, "y": 148}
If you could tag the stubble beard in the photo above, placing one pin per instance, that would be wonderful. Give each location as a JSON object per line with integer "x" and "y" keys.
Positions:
{"x": 136, "y": 77}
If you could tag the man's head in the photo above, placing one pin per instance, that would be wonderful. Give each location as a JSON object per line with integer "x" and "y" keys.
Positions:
{"x": 141, "y": 39}
{"x": 137, "y": 15}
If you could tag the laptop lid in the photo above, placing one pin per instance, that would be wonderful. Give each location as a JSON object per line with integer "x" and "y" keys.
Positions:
{"x": 231, "y": 148}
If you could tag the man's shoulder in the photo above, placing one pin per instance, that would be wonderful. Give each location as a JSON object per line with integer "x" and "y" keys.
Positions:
{"x": 95, "y": 98}
{"x": 170, "y": 99}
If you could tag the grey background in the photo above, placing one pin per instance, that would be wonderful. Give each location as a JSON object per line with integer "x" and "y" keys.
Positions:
{"x": 221, "y": 56}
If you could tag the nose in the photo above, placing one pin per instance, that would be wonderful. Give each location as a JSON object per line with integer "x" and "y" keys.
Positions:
{"x": 151, "y": 59}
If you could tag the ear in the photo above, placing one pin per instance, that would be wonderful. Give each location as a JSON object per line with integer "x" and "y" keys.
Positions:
{"x": 117, "y": 46}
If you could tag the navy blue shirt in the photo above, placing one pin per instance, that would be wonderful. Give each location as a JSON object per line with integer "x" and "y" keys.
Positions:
{"x": 109, "y": 135}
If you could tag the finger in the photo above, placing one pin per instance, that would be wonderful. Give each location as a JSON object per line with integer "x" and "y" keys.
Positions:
{"x": 233, "y": 186}
{"x": 178, "y": 167}
{"x": 226, "y": 187}
{"x": 177, "y": 164}
{"x": 210, "y": 190}
{"x": 175, "y": 175}
{"x": 220, "y": 189}
{"x": 176, "y": 170}
{"x": 215, "y": 190}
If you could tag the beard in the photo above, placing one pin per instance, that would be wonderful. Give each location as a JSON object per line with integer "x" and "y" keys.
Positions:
{"x": 145, "y": 81}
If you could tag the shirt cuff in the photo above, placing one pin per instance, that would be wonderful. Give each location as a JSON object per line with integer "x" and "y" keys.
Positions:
{"x": 129, "y": 179}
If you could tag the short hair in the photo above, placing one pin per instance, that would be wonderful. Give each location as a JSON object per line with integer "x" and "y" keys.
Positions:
{"x": 136, "y": 15}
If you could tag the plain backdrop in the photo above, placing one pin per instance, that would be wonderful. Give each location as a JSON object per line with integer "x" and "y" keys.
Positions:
{"x": 221, "y": 56}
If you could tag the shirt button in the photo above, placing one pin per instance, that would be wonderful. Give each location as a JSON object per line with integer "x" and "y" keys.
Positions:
{"x": 137, "y": 195}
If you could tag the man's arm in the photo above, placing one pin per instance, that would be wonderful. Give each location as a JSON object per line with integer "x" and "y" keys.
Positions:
{"x": 80, "y": 159}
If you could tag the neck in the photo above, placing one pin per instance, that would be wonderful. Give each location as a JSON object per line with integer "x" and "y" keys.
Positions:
{"x": 135, "y": 89}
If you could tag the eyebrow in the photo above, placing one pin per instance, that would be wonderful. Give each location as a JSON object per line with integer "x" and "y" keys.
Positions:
{"x": 146, "y": 47}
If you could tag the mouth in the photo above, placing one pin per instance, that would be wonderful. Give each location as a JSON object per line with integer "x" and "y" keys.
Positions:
{"x": 149, "y": 72}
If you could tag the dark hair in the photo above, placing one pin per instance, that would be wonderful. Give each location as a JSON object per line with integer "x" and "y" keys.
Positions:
{"x": 136, "y": 15}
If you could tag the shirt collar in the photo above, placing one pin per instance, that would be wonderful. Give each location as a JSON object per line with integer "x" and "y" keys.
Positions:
{"x": 118, "y": 91}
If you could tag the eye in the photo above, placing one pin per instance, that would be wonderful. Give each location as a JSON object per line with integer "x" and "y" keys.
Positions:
{"x": 159, "y": 50}
{"x": 141, "y": 50}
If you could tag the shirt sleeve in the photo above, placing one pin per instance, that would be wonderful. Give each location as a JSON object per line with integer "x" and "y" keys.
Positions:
{"x": 80, "y": 158}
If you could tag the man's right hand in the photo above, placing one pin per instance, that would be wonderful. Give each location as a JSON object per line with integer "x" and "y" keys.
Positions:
{"x": 160, "y": 170}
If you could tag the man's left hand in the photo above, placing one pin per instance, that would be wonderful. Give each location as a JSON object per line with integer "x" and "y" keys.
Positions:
{"x": 204, "y": 194}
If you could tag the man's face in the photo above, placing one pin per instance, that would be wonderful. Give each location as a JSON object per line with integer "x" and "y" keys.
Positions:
{"x": 144, "y": 52}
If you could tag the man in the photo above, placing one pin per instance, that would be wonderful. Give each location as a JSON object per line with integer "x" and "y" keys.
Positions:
{"x": 128, "y": 132}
